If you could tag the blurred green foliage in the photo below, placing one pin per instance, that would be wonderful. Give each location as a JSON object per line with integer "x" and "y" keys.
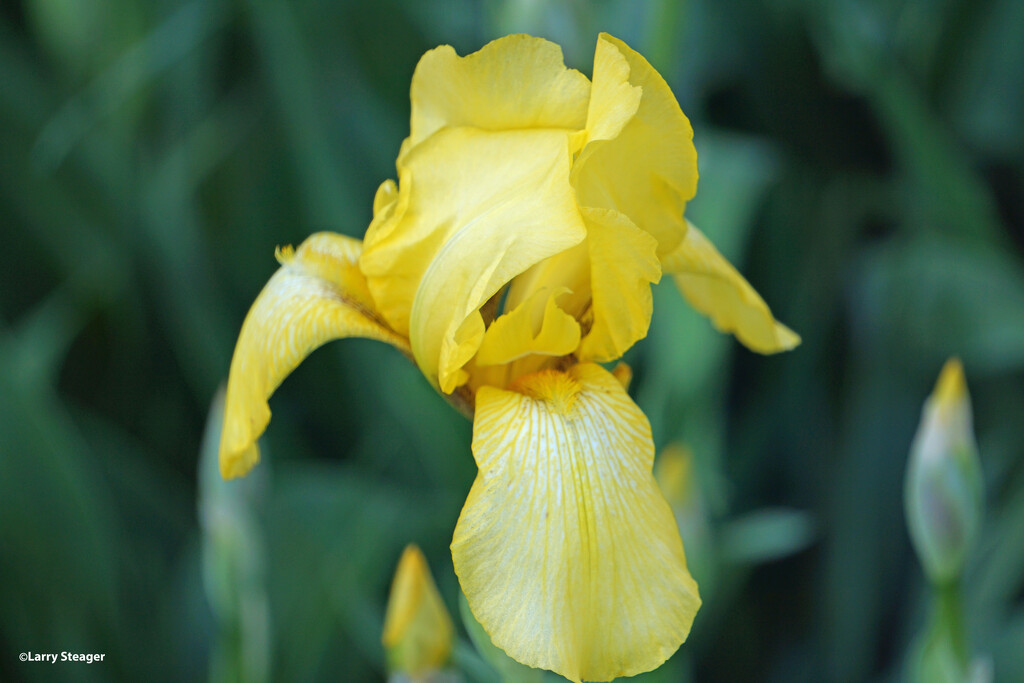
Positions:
{"x": 861, "y": 161}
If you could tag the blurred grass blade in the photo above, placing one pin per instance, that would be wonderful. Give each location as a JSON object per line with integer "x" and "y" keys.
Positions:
{"x": 292, "y": 79}
{"x": 59, "y": 534}
{"x": 931, "y": 298}
{"x": 766, "y": 535}
{"x": 856, "y": 41}
{"x": 162, "y": 48}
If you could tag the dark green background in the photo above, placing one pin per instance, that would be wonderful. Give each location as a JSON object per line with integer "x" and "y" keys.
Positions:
{"x": 861, "y": 162}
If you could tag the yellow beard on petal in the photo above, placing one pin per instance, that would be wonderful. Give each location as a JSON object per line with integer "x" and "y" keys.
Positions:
{"x": 557, "y": 389}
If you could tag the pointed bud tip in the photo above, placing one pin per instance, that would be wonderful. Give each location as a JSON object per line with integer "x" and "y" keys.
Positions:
{"x": 417, "y": 626}
{"x": 407, "y": 589}
{"x": 951, "y": 386}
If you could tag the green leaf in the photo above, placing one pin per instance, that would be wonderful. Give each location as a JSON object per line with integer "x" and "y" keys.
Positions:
{"x": 766, "y": 535}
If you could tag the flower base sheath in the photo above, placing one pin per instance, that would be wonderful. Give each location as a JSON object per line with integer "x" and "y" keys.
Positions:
{"x": 533, "y": 211}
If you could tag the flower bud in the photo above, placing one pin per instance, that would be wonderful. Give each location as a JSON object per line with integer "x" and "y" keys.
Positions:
{"x": 943, "y": 489}
{"x": 417, "y": 627}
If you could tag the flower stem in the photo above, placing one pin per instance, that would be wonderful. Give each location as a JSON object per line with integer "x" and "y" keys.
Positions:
{"x": 948, "y": 621}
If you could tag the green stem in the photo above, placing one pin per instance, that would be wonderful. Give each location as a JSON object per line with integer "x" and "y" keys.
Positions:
{"x": 949, "y": 620}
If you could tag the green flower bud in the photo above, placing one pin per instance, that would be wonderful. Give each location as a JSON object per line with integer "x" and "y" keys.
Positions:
{"x": 943, "y": 490}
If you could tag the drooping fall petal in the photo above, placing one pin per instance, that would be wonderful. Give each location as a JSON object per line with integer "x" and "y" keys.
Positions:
{"x": 512, "y": 83}
{"x": 715, "y": 288}
{"x": 475, "y": 210}
{"x": 644, "y": 167}
{"x": 317, "y": 295}
{"x": 566, "y": 550}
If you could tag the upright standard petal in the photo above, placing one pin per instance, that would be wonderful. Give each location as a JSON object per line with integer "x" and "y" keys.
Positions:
{"x": 609, "y": 276}
{"x": 569, "y": 269}
{"x": 566, "y": 550}
{"x": 317, "y": 295}
{"x": 511, "y": 83}
{"x": 475, "y": 209}
{"x": 643, "y": 165}
{"x": 613, "y": 99}
{"x": 715, "y": 288}
{"x": 538, "y": 325}
{"x": 623, "y": 265}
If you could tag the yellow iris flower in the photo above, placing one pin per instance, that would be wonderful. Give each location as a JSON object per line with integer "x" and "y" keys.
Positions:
{"x": 533, "y": 210}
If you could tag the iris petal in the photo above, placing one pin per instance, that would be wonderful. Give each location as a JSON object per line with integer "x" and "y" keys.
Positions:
{"x": 537, "y": 325}
{"x": 715, "y": 288}
{"x": 613, "y": 99}
{"x": 646, "y": 166}
{"x": 511, "y": 83}
{"x": 475, "y": 209}
{"x": 566, "y": 550}
{"x": 317, "y": 295}
{"x": 623, "y": 264}
{"x": 569, "y": 269}
{"x": 610, "y": 275}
